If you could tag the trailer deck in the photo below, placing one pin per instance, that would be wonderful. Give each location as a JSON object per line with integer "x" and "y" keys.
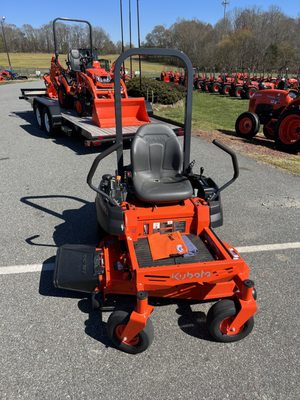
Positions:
{"x": 94, "y": 135}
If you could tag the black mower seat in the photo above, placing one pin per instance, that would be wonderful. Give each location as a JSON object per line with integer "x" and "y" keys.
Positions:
{"x": 74, "y": 60}
{"x": 156, "y": 159}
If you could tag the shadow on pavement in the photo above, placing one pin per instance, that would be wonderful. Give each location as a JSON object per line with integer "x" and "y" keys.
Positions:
{"x": 75, "y": 142}
{"x": 192, "y": 323}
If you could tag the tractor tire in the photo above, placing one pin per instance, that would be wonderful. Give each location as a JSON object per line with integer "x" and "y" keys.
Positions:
{"x": 251, "y": 92}
{"x": 243, "y": 94}
{"x": 64, "y": 99}
{"x": 247, "y": 125}
{"x": 219, "y": 318}
{"x": 225, "y": 90}
{"x": 215, "y": 87}
{"x": 269, "y": 130}
{"x": 116, "y": 323}
{"x": 199, "y": 85}
{"x": 238, "y": 91}
{"x": 287, "y": 131}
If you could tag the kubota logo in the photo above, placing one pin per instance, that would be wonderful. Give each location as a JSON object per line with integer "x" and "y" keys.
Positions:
{"x": 178, "y": 276}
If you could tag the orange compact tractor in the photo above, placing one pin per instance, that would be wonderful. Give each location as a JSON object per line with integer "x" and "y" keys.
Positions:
{"x": 279, "y": 112}
{"x": 159, "y": 216}
{"x": 87, "y": 86}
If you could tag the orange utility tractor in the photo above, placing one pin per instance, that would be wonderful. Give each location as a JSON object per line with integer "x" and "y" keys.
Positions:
{"x": 88, "y": 87}
{"x": 159, "y": 245}
{"x": 279, "y": 112}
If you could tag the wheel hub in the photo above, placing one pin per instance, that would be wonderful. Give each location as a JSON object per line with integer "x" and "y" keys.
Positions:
{"x": 119, "y": 333}
{"x": 225, "y": 327}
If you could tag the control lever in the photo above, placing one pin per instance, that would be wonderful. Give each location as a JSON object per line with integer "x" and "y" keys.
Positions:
{"x": 234, "y": 164}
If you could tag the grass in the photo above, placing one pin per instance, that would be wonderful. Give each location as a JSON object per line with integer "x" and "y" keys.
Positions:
{"x": 210, "y": 112}
{"x": 41, "y": 61}
{"x": 219, "y": 113}
{"x": 290, "y": 163}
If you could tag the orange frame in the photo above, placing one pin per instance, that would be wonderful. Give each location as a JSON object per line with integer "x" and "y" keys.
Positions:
{"x": 224, "y": 277}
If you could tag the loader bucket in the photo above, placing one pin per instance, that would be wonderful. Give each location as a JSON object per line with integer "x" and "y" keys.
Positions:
{"x": 134, "y": 112}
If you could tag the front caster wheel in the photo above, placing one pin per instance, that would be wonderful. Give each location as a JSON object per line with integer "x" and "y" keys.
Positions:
{"x": 219, "y": 318}
{"x": 115, "y": 327}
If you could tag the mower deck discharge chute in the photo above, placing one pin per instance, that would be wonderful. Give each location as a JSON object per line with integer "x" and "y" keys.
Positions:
{"x": 158, "y": 194}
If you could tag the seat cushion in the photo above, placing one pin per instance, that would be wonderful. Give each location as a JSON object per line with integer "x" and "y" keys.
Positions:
{"x": 74, "y": 60}
{"x": 164, "y": 190}
{"x": 157, "y": 164}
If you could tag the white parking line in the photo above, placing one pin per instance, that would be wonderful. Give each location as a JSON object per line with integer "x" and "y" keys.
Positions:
{"x": 22, "y": 269}
{"x": 268, "y": 247}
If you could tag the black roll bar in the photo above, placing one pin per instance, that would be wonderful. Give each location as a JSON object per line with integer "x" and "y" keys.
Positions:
{"x": 188, "y": 104}
{"x": 71, "y": 20}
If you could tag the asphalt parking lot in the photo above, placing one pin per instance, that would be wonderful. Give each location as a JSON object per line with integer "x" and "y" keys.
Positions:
{"x": 54, "y": 347}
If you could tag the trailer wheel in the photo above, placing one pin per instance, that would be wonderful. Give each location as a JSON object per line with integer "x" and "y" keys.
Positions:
{"x": 219, "y": 318}
{"x": 247, "y": 125}
{"x": 37, "y": 110}
{"x": 287, "y": 131}
{"x": 48, "y": 122}
{"x": 115, "y": 326}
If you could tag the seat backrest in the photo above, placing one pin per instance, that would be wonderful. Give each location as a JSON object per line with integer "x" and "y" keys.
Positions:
{"x": 74, "y": 60}
{"x": 156, "y": 152}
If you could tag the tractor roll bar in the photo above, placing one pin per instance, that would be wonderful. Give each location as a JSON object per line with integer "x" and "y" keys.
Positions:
{"x": 71, "y": 20}
{"x": 188, "y": 104}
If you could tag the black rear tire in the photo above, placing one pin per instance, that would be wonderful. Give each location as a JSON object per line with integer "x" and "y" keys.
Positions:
{"x": 238, "y": 91}
{"x": 287, "y": 131}
{"x": 268, "y": 130}
{"x": 225, "y": 89}
{"x": 139, "y": 344}
{"x": 222, "y": 313}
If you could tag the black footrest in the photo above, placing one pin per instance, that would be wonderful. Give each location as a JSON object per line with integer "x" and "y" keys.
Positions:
{"x": 77, "y": 267}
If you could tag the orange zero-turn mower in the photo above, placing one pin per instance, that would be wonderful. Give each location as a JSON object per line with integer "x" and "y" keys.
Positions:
{"x": 159, "y": 217}
{"x": 88, "y": 87}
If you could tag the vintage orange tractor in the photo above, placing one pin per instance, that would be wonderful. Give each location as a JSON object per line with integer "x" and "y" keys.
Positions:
{"x": 279, "y": 112}
{"x": 159, "y": 244}
{"x": 88, "y": 87}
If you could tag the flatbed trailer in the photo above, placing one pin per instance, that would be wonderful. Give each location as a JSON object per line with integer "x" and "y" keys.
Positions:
{"x": 51, "y": 118}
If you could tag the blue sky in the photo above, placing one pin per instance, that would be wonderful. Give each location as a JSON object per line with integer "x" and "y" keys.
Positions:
{"x": 152, "y": 12}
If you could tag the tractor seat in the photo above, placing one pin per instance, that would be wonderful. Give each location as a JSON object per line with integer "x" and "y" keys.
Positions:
{"x": 74, "y": 60}
{"x": 156, "y": 159}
